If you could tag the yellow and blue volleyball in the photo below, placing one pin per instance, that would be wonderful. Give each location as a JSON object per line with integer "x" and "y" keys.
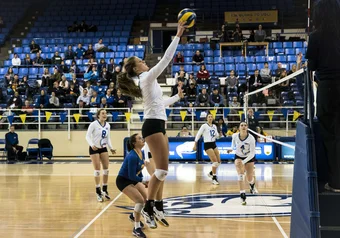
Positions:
{"x": 187, "y": 15}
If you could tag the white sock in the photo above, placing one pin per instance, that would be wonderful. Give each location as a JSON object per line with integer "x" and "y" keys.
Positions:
{"x": 104, "y": 184}
{"x": 137, "y": 224}
{"x": 252, "y": 181}
{"x": 243, "y": 191}
{"x": 214, "y": 174}
{"x": 98, "y": 186}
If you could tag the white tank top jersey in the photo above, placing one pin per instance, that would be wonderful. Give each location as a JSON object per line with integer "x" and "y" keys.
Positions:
{"x": 244, "y": 148}
{"x": 98, "y": 135}
{"x": 210, "y": 133}
{"x": 154, "y": 107}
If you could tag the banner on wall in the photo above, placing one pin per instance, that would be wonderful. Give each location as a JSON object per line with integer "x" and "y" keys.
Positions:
{"x": 288, "y": 153}
{"x": 269, "y": 16}
{"x": 264, "y": 151}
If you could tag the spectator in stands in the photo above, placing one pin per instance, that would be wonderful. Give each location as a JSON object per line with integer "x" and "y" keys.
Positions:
{"x": 179, "y": 58}
{"x": 285, "y": 85}
{"x": 14, "y": 81}
{"x": 98, "y": 88}
{"x": 27, "y": 61}
{"x": 63, "y": 68}
{"x": 54, "y": 101}
{"x": 252, "y": 122}
{"x": 75, "y": 81}
{"x": 56, "y": 77}
{"x": 234, "y": 102}
{"x": 191, "y": 93}
{"x": 69, "y": 53}
{"x": 95, "y": 99}
{"x": 237, "y": 35}
{"x": 88, "y": 87}
{"x": 203, "y": 76}
{"x": 27, "y": 108}
{"x": 120, "y": 100}
{"x": 115, "y": 75}
{"x": 198, "y": 57}
{"x": 14, "y": 150}
{"x": 121, "y": 63}
{"x": 80, "y": 51}
{"x": 64, "y": 84}
{"x": 105, "y": 77}
{"x": 103, "y": 103}
{"x": 38, "y": 61}
{"x": 255, "y": 81}
{"x": 181, "y": 68}
{"x": 216, "y": 99}
{"x": 59, "y": 92}
{"x": 15, "y": 102}
{"x": 100, "y": 47}
{"x": 257, "y": 100}
{"x": 45, "y": 78}
{"x": 73, "y": 28}
{"x": 35, "y": 48}
{"x": 109, "y": 98}
{"x": 279, "y": 70}
{"x": 90, "y": 53}
{"x": 222, "y": 127}
{"x": 181, "y": 77}
{"x": 72, "y": 93}
{"x": 232, "y": 82}
{"x": 191, "y": 80}
{"x": 56, "y": 59}
{"x": 92, "y": 75}
{"x": 9, "y": 76}
{"x": 102, "y": 64}
{"x": 272, "y": 99}
{"x": 184, "y": 132}
{"x": 265, "y": 73}
{"x": 293, "y": 69}
{"x": 42, "y": 100}
{"x": 16, "y": 61}
{"x": 260, "y": 34}
{"x": 232, "y": 131}
{"x": 83, "y": 27}
{"x": 84, "y": 98}
{"x": 74, "y": 68}
{"x": 111, "y": 66}
{"x": 113, "y": 89}
{"x": 251, "y": 36}
{"x": 180, "y": 84}
{"x": 23, "y": 87}
{"x": 202, "y": 99}
{"x": 260, "y": 131}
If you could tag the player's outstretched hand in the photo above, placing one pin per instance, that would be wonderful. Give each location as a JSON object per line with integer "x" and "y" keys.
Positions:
{"x": 113, "y": 151}
{"x": 180, "y": 29}
{"x": 194, "y": 148}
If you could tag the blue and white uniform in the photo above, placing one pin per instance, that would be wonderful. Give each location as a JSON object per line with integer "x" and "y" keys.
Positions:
{"x": 245, "y": 149}
{"x": 210, "y": 135}
{"x": 99, "y": 136}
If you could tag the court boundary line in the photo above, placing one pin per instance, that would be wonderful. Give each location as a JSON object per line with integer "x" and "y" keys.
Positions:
{"x": 279, "y": 227}
{"x": 249, "y": 221}
{"x": 96, "y": 217}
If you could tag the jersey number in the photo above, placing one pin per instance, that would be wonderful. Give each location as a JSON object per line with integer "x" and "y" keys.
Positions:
{"x": 212, "y": 133}
{"x": 103, "y": 133}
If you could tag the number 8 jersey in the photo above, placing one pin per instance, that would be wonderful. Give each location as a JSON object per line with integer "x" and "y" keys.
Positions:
{"x": 210, "y": 133}
{"x": 98, "y": 135}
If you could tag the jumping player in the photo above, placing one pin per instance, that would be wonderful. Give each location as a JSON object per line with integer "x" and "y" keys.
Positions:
{"x": 98, "y": 137}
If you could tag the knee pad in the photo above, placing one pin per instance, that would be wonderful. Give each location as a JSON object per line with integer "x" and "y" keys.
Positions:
{"x": 105, "y": 172}
{"x": 139, "y": 207}
{"x": 240, "y": 177}
{"x": 161, "y": 174}
{"x": 215, "y": 164}
{"x": 96, "y": 173}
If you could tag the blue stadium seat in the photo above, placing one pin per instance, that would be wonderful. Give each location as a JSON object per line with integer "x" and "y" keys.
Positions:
{"x": 120, "y": 54}
{"x": 219, "y": 68}
{"x": 7, "y": 63}
{"x": 188, "y": 68}
{"x": 23, "y": 71}
{"x": 290, "y": 51}
{"x": 241, "y": 69}
{"x": 279, "y": 51}
{"x": 210, "y": 67}
{"x": 206, "y": 46}
{"x": 109, "y": 55}
{"x": 218, "y": 60}
{"x": 140, "y": 48}
{"x": 189, "y": 47}
{"x": 187, "y": 59}
{"x": 27, "y": 50}
{"x": 291, "y": 58}
{"x": 180, "y": 47}
{"x": 129, "y": 54}
{"x": 251, "y": 68}
{"x": 287, "y": 44}
{"x": 229, "y": 67}
{"x": 250, "y": 59}
{"x": 298, "y": 44}
{"x": 33, "y": 70}
{"x": 188, "y": 53}
{"x": 239, "y": 59}
{"x": 281, "y": 58}
{"x": 175, "y": 69}
{"x": 277, "y": 45}
{"x": 209, "y": 59}
{"x": 209, "y": 53}
{"x": 113, "y": 48}
{"x": 260, "y": 59}
{"x": 302, "y": 50}
{"x": 3, "y": 71}
{"x": 229, "y": 59}
{"x": 17, "y": 50}
{"x": 199, "y": 47}
{"x": 130, "y": 48}
{"x": 216, "y": 53}
{"x": 121, "y": 48}
{"x": 139, "y": 54}
{"x": 117, "y": 60}
{"x": 100, "y": 55}
{"x": 196, "y": 68}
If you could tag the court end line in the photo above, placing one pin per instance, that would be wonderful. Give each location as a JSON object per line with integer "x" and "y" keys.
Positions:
{"x": 280, "y": 227}
{"x": 96, "y": 217}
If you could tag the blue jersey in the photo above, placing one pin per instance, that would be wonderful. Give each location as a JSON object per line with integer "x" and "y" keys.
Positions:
{"x": 132, "y": 167}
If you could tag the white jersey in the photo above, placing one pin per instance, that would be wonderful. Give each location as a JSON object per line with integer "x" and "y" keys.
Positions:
{"x": 154, "y": 107}
{"x": 244, "y": 148}
{"x": 98, "y": 135}
{"x": 210, "y": 133}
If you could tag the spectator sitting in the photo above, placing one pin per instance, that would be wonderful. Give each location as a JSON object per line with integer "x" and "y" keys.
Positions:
{"x": 15, "y": 102}
{"x": 34, "y": 48}
{"x": 232, "y": 131}
{"x": 261, "y": 132}
{"x": 180, "y": 84}
{"x": 75, "y": 81}
{"x": 100, "y": 47}
{"x": 115, "y": 75}
{"x": 59, "y": 92}
{"x": 191, "y": 80}
{"x": 56, "y": 76}
{"x": 222, "y": 127}
{"x": 69, "y": 53}
{"x": 203, "y": 76}
{"x": 252, "y": 122}
{"x": 105, "y": 77}
{"x": 293, "y": 70}
{"x": 9, "y": 76}
{"x": 109, "y": 98}
{"x": 216, "y": 99}
{"x": 88, "y": 87}
{"x": 113, "y": 89}
{"x": 279, "y": 70}
{"x": 202, "y": 99}
{"x": 89, "y": 53}
{"x": 120, "y": 100}
{"x": 285, "y": 85}
{"x": 260, "y": 34}
{"x": 63, "y": 67}
{"x": 27, "y": 61}
{"x": 234, "y": 103}
{"x": 237, "y": 35}
{"x": 95, "y": 99}
{"x": 56, "y": 59}
{"x": 54, "y": 101}
{"x": 80, "y": 51}
{"x": 181, "y": 68}
{"x": 27, "y": 108}
{"x": 198, "y": 57}
{"x": 98, "y": 88}
{"x": 38, "y": 61}
{"x": 42, "y": 100}
{"x": 23, "y": 87}
{"x": 179, "y": 58}
{"x": 92, "y": 75}
{"x": 84, "y": 98}
{"x": 45, "y": 78}
{"x": 265, "y": 73}
{"x": 83, "y": 27}
{"x": 73, "y": 93}
{"x": 191, "y": 93}
{"x": 231, "y": 82}
{"x": 16, "y": 61}
{"x": 272, "y": 99}
{"x": 255, "y": 81}
{"x": 14, "y": 150}
{"x": 74, "y": 68}
{"x": 182, "y": 78}
{"x": 111, "y": 66}
{"x": 64, "y": 84}
{"x": 257, "y": 100}
{"x": 184, "y": 132}
{"x": 73, "y": 28}
{"x": 104, "y": 103}
{"x": 251, "y": 36}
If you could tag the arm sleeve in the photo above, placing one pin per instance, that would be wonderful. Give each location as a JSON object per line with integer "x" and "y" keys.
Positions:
{"x": 132, "y": 169}
{"x": 251, "y": 153}
{"x": 171, "y": 100}
{"x": 199, "y": 133}
{"x": 89, "y": 134}
{"x": 109, "y": 138}
{"x": 164, "y": 62}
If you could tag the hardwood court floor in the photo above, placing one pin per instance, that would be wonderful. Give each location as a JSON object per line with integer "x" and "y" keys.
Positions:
{"x": 58, "y": 200}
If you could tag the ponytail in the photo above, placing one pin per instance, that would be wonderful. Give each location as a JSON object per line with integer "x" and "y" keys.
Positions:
{"x": 130, "y": 144}
{"x": 128, "y": 86}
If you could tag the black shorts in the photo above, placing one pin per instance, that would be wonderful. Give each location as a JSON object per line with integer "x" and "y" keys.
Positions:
{"x": 252, "y": 160}
{"x": 99, "y": 151}
{"x": 123, "y": 182}
{"x": 153, "y": 126}
{"x": 209, "y": 145}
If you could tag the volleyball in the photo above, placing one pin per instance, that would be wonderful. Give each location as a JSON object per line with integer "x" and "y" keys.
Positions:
{"x": 187, "y": 15}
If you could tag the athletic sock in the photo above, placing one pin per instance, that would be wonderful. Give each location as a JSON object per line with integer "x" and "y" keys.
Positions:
{"x": 159, "y": 205}
{"x": 98, "y": 190}
{"x": 242, "y": 191}
{"x": 149, "y": 206}
{"x": 137, "y": 225}
{"x": 105, "y": 187}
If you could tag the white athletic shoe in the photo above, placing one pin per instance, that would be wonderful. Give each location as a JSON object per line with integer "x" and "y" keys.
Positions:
{"x": 210, "y": 175}
{"x": 215, "y": 181}
{"x": 149, "y": 220}
{"x": 159, "y": 215}
{"x": 106, "y": 195}
{"x": 253, "y": 189}
{"x": 243, "y": 199}
{"x": 100, "y": 197}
